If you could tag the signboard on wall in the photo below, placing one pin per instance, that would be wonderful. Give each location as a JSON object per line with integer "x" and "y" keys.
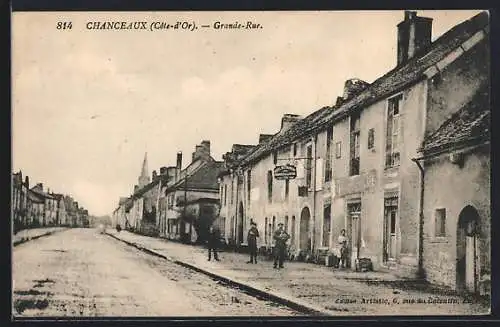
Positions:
{"x": 285, "y": 172}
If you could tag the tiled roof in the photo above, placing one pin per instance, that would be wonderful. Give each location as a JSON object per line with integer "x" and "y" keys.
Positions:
{"x": 35, "y": 197}
{"x": 42, "y": 194}
{"x": 395, "y": 80}
{"x": 147, "y": 187}
{"x": 469, "y": 125}
{"x": 58, "y": 196}
{"x": 280, "y": 139}
{"x": 205, "y": 177}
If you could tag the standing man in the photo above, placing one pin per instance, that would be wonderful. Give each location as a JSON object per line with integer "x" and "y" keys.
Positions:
{"x": 213, "y": 242}
{"x": 253, "y": 234}
{"x": 280, "y": 238}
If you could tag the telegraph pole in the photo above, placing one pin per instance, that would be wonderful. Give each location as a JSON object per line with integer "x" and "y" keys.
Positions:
{"x": 184, "y": 208}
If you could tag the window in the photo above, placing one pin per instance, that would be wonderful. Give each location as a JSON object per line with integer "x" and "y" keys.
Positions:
{"x": 265, "y": 230}
{"x": 328, "y": 156}
{"x": 273, "y": 229}
{"x": 286, "y": 224}
{"x": 440, "y": 222}
{"x": 249, "y": 184}
{"x": 338, "y": 150}
{"x": 275, "y": 157}
{"x": 354, "y": 162}
{"x": 326, "y": 224}
{"x": 309, "y": 166}
{"x": 295, "y": 149}
{"x": 270, "y": 236}
{"x": 287, "y": 188}
{"x": 292, "y": 231}
{"x": 221, "y": 193}
{"x": 232, "y": 191}
{"x": 392, "y": 156}
{"x": 270, "y": 186}
{"x": 225, "y": 194}
{"x": 371, "y": 138}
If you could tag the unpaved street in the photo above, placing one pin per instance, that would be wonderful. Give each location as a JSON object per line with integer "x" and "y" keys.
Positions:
{"x": 80, "y": 272}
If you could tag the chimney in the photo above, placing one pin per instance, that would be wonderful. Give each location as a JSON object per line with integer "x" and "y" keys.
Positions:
{"x": 414, "y": 35}
{"x": 27, "y": 182}
{"x": 202, "y": 150}
{"x": 288, "y": 120}
{"x": 155, "y": 175}
{"x": 171, "y": 173}
{"x": 136, "y": 187}
{"x": 206, "y": 147}
{"x": 339, "y": 101}
{"x": 179, "y": 160}
{"x": 264, "y": 137}
{"x": 163, "y": 170}
{"x": 353, "y": 87}
{"x": 178, "y": 167}
{"x": 39, "y": 187}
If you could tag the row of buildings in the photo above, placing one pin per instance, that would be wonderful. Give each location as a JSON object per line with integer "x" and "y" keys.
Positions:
{"x": 35, "y": 207}
{"x": 159, "y": 201}
{"x": 402, "y": 164}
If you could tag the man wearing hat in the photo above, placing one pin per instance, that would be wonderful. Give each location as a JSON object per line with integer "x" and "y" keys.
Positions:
{"x": 280, "y": 238}
{"x": 253, "y": 234}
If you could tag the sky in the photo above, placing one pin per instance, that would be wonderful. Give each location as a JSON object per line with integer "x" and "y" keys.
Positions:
{"x": 88, "y": 104}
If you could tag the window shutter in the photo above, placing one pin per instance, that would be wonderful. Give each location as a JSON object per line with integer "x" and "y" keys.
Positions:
{"x": 319, "y": 174}
{"x": 300, "y": 169}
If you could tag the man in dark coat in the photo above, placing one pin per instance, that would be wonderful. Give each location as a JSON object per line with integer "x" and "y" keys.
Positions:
{"x": 280, "y": 238}
{"x": 253, "y": 234}
{"x": 213, "y": 242}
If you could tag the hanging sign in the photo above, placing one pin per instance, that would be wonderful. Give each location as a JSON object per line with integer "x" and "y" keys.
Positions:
{"x": 285, "y": 172}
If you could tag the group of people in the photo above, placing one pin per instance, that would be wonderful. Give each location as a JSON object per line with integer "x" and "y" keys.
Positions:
{"x": 280, "y": 238}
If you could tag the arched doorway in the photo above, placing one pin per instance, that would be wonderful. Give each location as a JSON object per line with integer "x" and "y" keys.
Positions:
{"x": 305, "y": 238}
{"x": 467, "y": 250}
{"x": 240, "y": 223}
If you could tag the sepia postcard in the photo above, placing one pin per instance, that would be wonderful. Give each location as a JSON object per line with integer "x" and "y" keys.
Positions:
{"x": 250, "y": 163}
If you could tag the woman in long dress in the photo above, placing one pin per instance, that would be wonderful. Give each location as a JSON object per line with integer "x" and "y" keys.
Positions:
{"x": 342, "y": 248}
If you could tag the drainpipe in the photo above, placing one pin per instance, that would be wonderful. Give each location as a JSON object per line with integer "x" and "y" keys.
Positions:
{"x": 420, "y": 271}
{"x": 236, "y": 234}
{"x": 313, "y": 229}
{"x": 157, "y": 213}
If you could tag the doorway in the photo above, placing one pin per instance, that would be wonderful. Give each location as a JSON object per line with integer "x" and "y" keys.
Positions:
{"x": 305, "y": 238}
{"x": 390, "y": 227}
{"x": 468, "y": 250}
{"x": 353, "y": 231}
{"x": 240, "y": 223}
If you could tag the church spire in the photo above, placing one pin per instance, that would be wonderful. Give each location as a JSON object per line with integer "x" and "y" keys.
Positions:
{"x": 144, "y": 177}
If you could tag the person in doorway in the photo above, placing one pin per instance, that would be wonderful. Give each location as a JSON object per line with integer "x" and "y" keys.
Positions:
{"x": 280, "y": 238}
{"x": 213, "y": 242}
{"x": 253, "y": 234}
{"x": 342, "y": 248}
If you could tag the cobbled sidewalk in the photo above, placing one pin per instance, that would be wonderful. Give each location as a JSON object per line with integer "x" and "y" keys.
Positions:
{"x": 337, "y": 292}
{"x": 33, "y": 233}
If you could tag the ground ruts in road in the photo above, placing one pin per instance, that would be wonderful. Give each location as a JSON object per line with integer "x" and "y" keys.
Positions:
{"x": 83, "y": 273}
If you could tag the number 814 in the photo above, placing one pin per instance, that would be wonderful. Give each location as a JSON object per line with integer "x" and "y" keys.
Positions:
{"x": 64, "y": 25}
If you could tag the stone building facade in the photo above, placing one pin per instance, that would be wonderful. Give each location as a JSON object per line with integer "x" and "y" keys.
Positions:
{"x": 457, "y": 224}
{"x": 192, "y": 188}
{"x": 35, "y": 207}
{"x": 355, "y": 160}
{"x": 158, "y": 205}
{"x": 20, "y": 201}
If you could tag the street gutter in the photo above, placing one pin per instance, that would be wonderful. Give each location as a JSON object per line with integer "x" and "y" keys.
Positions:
{"x": 250, "y": 288}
